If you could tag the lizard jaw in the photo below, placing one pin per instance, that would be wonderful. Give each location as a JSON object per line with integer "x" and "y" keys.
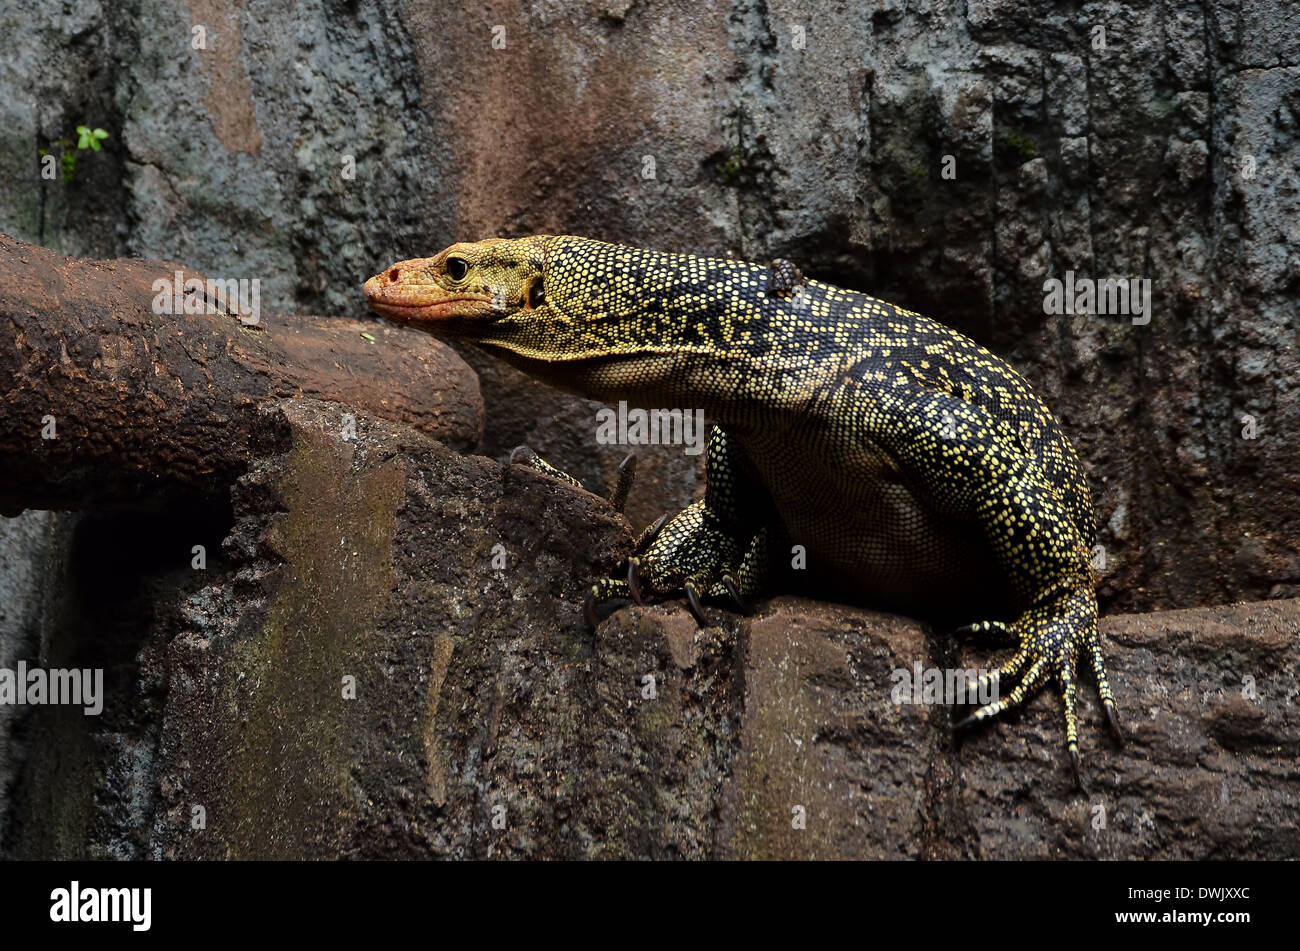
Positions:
{"x": 422, "y": 303}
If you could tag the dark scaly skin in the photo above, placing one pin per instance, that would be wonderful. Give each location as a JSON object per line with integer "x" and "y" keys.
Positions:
{"x": 784, "y": 277}
{"x": 918, "y": 470}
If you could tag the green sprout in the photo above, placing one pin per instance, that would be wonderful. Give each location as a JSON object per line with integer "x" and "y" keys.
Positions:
{"x": 1021, "y": 143}
{"x": 732, "y": 166}
{"x": 87, "y": 138}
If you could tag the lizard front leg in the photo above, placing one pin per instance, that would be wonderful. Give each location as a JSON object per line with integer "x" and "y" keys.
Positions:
{"x": 716, "y": 547}
{"x": 698, "y": 554}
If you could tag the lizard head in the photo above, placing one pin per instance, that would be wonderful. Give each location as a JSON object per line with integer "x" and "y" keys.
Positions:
{"x": 467, "y": 290}
{"x": 588, "y": 316}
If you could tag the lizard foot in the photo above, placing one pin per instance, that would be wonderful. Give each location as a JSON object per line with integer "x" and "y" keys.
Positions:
{"x": 525, "y": 456}
{"x": 610, "y": 589}
{"x": 690, "y": 555}
{"x": 783, "y": 277}
{"x": 1053, "y": 635}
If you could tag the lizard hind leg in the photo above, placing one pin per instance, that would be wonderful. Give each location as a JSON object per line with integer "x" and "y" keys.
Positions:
{"x": 1054, "y": 636}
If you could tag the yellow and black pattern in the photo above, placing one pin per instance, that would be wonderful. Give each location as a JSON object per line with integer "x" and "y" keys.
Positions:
{"x": 916, "y": 469}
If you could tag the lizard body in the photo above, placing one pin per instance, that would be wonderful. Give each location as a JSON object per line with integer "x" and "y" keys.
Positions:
{"x": 917, "y": 470}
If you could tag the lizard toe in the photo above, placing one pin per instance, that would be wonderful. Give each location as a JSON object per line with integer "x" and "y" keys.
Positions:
{"x": 733, "y": 591}
{"x": 606, "y": 589}
{"x": 650, "y": 534}
{"x": 693, "y": 601}
{"x": 986, "y": 627}
{"x": 634, "y": 579}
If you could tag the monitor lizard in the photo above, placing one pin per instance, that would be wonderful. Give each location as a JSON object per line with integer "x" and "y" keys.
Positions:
{"x": 917, "y": 470}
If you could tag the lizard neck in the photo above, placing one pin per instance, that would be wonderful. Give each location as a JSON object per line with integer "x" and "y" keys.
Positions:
{"x": 731, "y": 389}
{"x": 673, "y": 330}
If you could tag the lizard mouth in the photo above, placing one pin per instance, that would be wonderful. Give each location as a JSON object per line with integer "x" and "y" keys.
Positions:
{"x": 432, "y": 310}
{"x": 422, "y": 303}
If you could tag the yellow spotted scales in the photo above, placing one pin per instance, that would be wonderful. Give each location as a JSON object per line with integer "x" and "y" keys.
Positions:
{"x": 905, "y": 465}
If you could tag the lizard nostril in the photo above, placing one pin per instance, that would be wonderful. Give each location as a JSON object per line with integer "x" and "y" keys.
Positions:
{"x": 393, "y": 275}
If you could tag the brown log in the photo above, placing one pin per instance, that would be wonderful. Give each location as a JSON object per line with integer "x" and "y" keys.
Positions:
{"x": 146, "y": 405}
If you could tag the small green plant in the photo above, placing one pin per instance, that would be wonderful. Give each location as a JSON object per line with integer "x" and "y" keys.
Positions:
{"x": 731, "y": 168}
{"x": 917, "y": 176}
{"x": 1021, "y": 143}
{"x": 87, "y": 138}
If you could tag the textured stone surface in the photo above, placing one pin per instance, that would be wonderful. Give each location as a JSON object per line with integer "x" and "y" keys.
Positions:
{"x": 29, "y": 543}
{"x": 377, "y": 561}
{"x": 488, "y": 722}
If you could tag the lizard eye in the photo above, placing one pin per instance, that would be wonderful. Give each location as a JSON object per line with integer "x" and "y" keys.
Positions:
{"x": 536, "y": 294}
{"x": 457, "y": 268}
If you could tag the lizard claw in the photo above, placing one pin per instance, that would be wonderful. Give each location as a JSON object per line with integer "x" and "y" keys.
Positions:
{"x": 961, "y": 726}
{"x": 733, "y": 590}
{"x": 651, "y": 533}
{"x": 1078, "y": 775}
{"x": 633, "y": 580}
{"x": 693, "y": 602}
{"x": 623, "y": 487}
{"x": 1112, "y": 717}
